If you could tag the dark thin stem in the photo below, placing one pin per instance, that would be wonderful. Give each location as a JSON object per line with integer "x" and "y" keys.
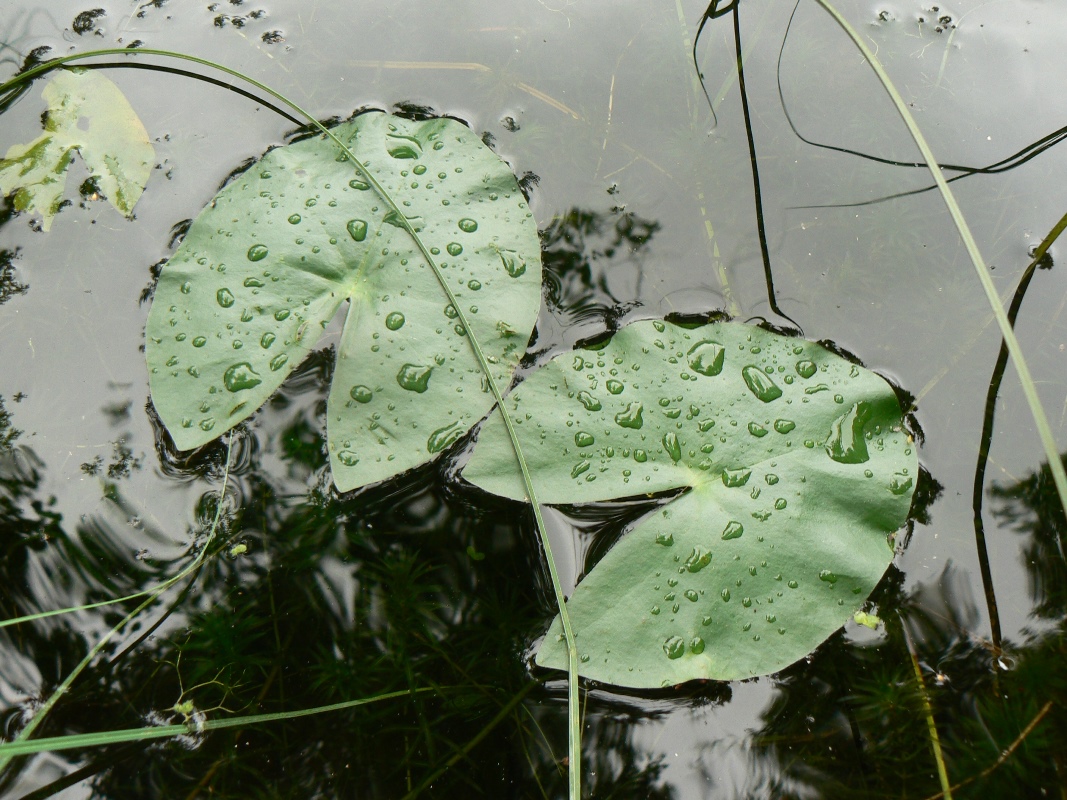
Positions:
{"x": 1016, "y": 159}
{"x": 977, "y": 492}
{"x": 761, "y": 228}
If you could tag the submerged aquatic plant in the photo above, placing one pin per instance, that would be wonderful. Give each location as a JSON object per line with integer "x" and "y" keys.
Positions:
{"x": 279, "y": 270}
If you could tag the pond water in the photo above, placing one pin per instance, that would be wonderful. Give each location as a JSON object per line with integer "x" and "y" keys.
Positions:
{"x": 645, "y": 205}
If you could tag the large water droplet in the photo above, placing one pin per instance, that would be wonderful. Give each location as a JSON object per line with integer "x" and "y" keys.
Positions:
{"x": 240, "y": 376}
{"x": 784, "y": 425}
{"x": 757, "y": 430}
{"x": 828, "y": 576}
{"x": 257, "y": 252}
{"x": 847, "y": 444}
{"x": 467, "y": 225}
{"x": 454, "y": 248}
{"x": 665, "y": 539}
{"x": 199, "y": 341}
{"x": 671, "y": 445}
{"x": 640, "y": 456}
{"x": 408, "y": 148}
{"x": 674, "y": 647}
{"x": 696, "y": 645}
{"x": 587, "y": 400}
{"x": 187, "y": 287}
{"x": 725, "y": 595}
{"x": 614, "y": 386}
{"x": 294, "y": 219}
{"x": 266, "y": 340}
{"x": 733, "y": 530}
{"x": 707, "y": 357}
{"x": 357, "y": 229}
{"x": 733, "y": 478}
{"x": 579, "y": 468}
{"x": 583, "y": 439}
{"x": 761, "y": 384}
{"x": 513, "y": 263}
{"x": 899, "y": 483}
{"x": 394, "y": 321}
{"x": 698, "y": 559}
{"x": 443, "y": 437}
{"x": 348, "y": 458}
{"x": 361, "y": 393}
{"x": 414, "y": 378}
{"x": 224, "y": 297}
{"x": 278, "y": 362}
{"x": 805, "y": 369}
{"x": 631, "y": 418}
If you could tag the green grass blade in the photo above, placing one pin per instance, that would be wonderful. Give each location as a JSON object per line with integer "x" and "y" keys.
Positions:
{"x": 1044, "y": 431}
{"x": 574, "y": 730}
{"x": 27, "y": 747}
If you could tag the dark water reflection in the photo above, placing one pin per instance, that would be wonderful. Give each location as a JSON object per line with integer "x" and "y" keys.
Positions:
{"x": 312, "y": 597}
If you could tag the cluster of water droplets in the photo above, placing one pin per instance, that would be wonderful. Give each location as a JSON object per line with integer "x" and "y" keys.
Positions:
{"x": 743, "y": 416}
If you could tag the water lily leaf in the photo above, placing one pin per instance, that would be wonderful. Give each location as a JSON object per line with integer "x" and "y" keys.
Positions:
{"x": 797, "y": 469}
{"x": 274, "y": 255}
{"x": 87, "y": 113}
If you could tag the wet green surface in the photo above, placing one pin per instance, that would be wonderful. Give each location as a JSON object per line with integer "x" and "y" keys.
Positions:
{"x": 423, "y": 581}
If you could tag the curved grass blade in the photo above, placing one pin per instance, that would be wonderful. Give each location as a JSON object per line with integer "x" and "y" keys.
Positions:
{"x": 573, "y": 724}
{"x": 9, "y": 750}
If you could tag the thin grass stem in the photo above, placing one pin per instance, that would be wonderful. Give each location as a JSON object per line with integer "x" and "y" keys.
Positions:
{"x": 9, "y": 750}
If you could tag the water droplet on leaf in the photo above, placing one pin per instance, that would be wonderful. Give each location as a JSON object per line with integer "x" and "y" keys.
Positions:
{"x": 670, "y": 444}
{"x": 733, "y": 530}
{"x": 582, "y": 439}
{"x": 846, "y": 444}
{"x": 257, "y": 252}
{"x": 733, "y": 478}
{"x": 761, "y": 384}
{"x": 674, "y": 647}
{"x": 414, "y": 378}
{"x": 631, "y": 418}
{"x": 357, "y": 229}
{"x": 587, "y": 400}
{"x": 707, "y": 357}
{"x": 444, "y": 437}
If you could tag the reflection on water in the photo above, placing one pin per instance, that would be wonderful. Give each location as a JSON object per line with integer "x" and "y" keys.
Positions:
{"x": 312, "y": 597}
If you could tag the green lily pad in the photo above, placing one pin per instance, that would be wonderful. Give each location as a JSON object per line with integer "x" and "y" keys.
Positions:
{"x": 270, "y": 260}
{"x": 797, "y": 467}
{"x": 87, "y": 113}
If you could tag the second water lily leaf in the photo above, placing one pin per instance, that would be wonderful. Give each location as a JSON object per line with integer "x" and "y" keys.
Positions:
{"x": 87, "y": 113}
{"x": 798, "y": 470}
{"x": 274, "y": 255}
